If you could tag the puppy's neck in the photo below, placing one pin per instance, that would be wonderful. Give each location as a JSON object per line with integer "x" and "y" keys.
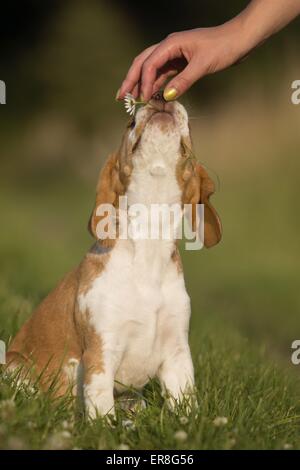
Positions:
{"x": 153, "y": 190}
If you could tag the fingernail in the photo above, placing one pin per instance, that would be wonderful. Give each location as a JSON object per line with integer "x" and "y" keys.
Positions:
{"x": 117, "y": 95}
{"x": 170, "y": 94}
{"x": 142, "y": 97}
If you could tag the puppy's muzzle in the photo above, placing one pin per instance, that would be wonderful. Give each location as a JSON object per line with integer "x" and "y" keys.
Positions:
{"x": 160, "y": 105}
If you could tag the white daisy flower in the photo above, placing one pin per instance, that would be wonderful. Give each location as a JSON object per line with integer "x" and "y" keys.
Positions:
{"x": 60, "y": 440}
{"x": 183, "y": 419}
{"x": 128, "y": 424}
{"x": 180, "y": 436}
{"x": 130, "y": 104}
{"x": 123, "y": 447}
{"x": 220, "y": 421}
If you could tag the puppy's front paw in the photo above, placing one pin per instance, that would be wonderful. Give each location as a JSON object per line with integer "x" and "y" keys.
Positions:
{"x": 185, "y": 403}
{"x": 99, "y": 404}
{"x": 92, "y": 413}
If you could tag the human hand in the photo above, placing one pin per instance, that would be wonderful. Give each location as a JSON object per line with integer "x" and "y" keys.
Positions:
{"x": 189, "y": 55}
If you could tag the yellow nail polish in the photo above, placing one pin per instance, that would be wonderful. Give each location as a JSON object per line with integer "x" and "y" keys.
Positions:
{"x": 117, "y": 95}
{"x": 170, "y": 94}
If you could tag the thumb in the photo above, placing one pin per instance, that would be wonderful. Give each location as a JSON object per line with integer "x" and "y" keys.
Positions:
{"x": 183, "y": 81}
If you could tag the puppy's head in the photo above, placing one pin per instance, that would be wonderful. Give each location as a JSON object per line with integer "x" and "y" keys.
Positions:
{"x": 156, "y": 136}
{"x": 158, "y": 141}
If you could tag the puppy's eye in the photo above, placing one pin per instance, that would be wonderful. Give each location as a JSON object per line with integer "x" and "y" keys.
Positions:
{"x": 131, "y": 124}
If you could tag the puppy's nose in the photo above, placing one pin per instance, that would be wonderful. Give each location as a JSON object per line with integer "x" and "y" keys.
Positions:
{"x": 160, "y": 104}
{"x": 157, "y": 101}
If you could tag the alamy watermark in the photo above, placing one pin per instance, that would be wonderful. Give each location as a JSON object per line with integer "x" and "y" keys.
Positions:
{"x": 2, "y": 92}
{"x": 295, "y": 97}
{"x": 2, "y": 352}
{"x": 152, "y": 222}
{"x": 295, "y": 357}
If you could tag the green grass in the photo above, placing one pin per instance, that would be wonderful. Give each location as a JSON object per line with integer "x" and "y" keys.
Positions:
{"x": 233, "y": 381}
{"x": 245, "y": 297}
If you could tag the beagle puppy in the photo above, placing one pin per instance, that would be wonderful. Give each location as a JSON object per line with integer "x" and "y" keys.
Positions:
{"x": 122, "y": 316}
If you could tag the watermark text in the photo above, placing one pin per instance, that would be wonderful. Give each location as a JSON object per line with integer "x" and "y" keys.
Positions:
{"x": 295, "y": 97}
{"x": 295, "y": 357}
{"x": 152, "y": 222}
{"x": 2, "y": 352}
{"x": 2, "y": 92}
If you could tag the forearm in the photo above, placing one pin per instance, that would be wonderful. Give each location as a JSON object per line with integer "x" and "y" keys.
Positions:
{"x": 195, "y": 53}
{"x": 263, "y": 18}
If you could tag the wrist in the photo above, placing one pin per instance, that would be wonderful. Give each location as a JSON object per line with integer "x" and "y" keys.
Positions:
{"x": 237, "y": 42}
{"x": 253, "y": 28}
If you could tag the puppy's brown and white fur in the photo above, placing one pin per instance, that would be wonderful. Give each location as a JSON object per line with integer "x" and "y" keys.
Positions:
{"x": 122, "y": 316}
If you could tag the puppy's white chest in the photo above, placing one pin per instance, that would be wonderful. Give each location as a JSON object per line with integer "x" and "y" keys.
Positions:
{"x": 127, "y": 308}
{"x": 142, "y": 354}
{"x": 143, "y": 316}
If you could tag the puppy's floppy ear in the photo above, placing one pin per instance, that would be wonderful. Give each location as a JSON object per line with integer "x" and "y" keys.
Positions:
{"x": 109, "y": 188}
{"x": 197, "y": 190}
{"x": 212, "y": 222}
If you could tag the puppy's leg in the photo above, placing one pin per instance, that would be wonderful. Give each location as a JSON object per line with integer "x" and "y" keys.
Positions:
{"x": 176, "y": 376}
{"x": 98, "y": 381}
{"x": 176, "y": 373}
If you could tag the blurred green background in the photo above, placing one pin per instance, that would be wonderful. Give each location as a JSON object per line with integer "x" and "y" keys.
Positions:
{"x": 63, "y": 62}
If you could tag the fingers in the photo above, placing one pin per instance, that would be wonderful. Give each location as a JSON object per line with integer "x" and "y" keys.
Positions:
{"x": 133, "y": 76}
{"x": 155, "y": 65}
{"x": 136, "y": 91}
{"x": 184, "y": 80}
{"x": 163, "y": 53}
{"x": 162, "y": 79}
